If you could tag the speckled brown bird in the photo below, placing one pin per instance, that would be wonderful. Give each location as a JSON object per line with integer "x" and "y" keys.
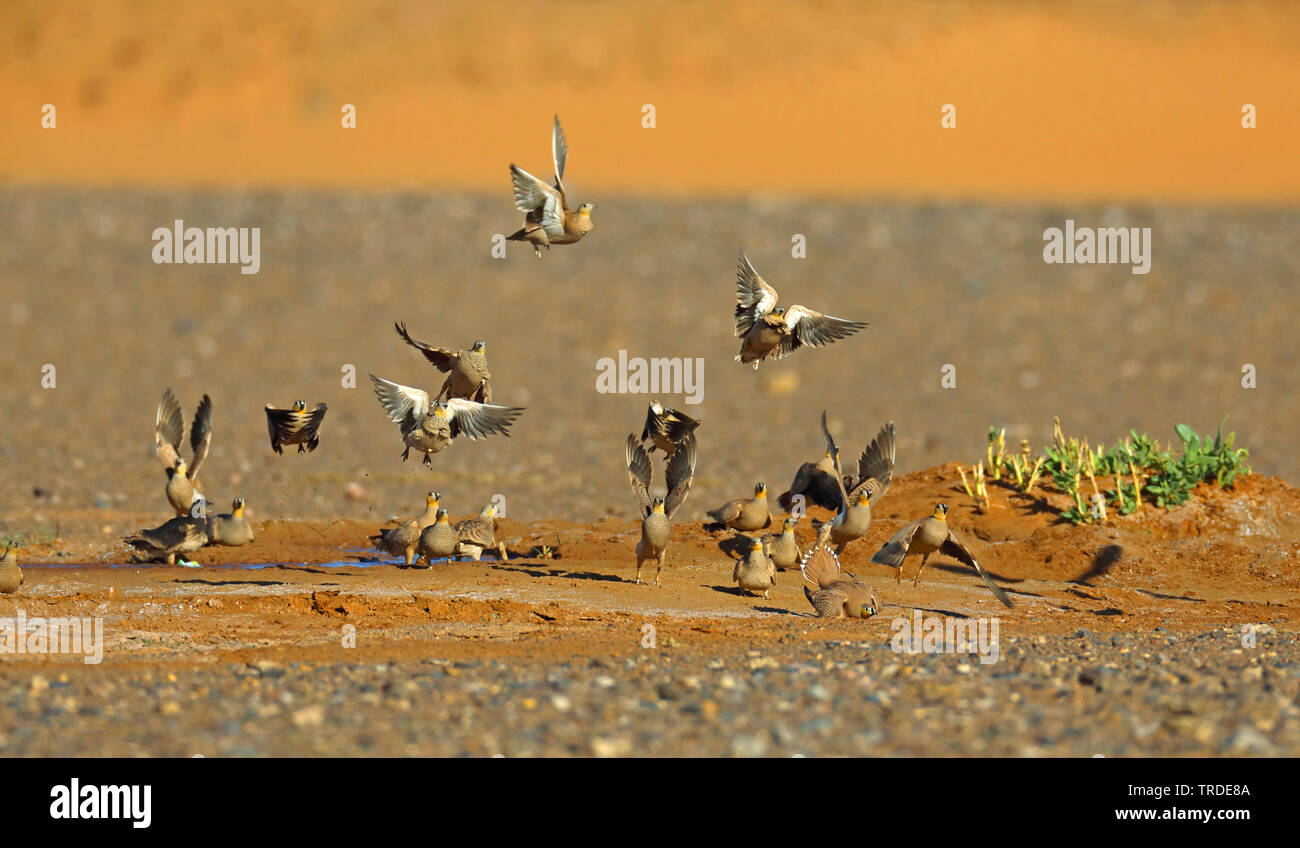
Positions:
{"x": 657, "y": 513}
{"x": 11, "y": 576}
{"x": 666, "y": 428}
{"x": 430, "y": 426}
{"x": 183, "y": 487}
{"x": 181, "y": 535}
{"x": 467, "y": 372}
{"x": 745, "y": 514}
{"x": 768, "y": 331}
{"x": 837, "y": 593}
{"x": 755, "y": 573}
{"x": 438, "y": 541}
{"x": 875, "y": 470}
{"x": 547, "y": 218}
{"x": 231, "y": 529}
{"x": 295, "y": 426}
{"x": 403, "y": 539}
{"x": 474, "y": 535}
{"x": 926, "y": 536}
{"x": 783, "y": 547}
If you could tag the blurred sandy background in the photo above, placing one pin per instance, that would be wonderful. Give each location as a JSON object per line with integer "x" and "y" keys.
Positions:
{"x": 772, "y": 119}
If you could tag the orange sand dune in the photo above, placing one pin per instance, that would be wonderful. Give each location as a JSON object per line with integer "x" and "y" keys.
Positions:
{"x": 1103, "y": 100}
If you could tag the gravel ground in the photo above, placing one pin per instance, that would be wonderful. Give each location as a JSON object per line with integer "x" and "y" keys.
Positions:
{"x": 1077, "y": 695}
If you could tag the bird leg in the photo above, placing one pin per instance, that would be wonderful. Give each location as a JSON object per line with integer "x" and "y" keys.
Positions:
{"x": 406, "y": 454}
{"x": 660, "y": 569}
{"x": 501, "y": 548}
{"x": 639, "y": 561}
{"x": 428, "y": 461}
{"x": 898, "y": 574}
{"x": 917, "y": 579}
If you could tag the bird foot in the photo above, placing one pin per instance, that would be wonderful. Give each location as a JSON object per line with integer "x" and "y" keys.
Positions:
{"x": 428, "y": 461}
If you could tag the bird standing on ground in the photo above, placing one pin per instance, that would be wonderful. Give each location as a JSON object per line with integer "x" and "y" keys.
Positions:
{"x": 295, "y": 426}
{"x": 657, "y": 513}
{"x": 771, "y": 331}
{"x": 755, "y": 573}
{"x": 783, "y": 547}
{"x": 928, "y": 535}
{"x": 11, "y": 576}
{"x": 230, "y": 529}
{"x": 474, "y": 535}
{"x": 838, "y": 593}
{"x": 547, "y": 218}
{"x": 183, "y": 487}
{"x": 429, "y": 427}
{"x": 402, "y": 540}
{"x": 745, "y": 514}
{"x": 438, "y": 541}
{"x": 180, "y": 535}
{"x": 666, "y": 428}
{"x": 875, "y": 470}
{"x": 467, "y": 370}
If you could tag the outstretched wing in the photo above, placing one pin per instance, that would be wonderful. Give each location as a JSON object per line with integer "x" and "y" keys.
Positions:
{"x": 812, "y": 328}
{"x": 893, "y": 551}
{"x": 540, "y": 202}
{"x": 754, "y": 297}
{"x": 639, "y": 471}
{"x": 168, "y": 427}
{"x": 955, "y": 549}
{"x": 402, "y": 403}
{"x": 834, "y": 450}
{"x": 308, "y": 423}
{"x": 559, "y": 154}
{"x": 876, "y": 465}
{"x": 478, "y": 420}
{"x": 680, "y": 473}
{"x": 440, "y": 357}
{"x": 200, "y": 435}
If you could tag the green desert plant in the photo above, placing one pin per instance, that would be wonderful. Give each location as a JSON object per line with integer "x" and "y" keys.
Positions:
{"x": 1139, "y": 467}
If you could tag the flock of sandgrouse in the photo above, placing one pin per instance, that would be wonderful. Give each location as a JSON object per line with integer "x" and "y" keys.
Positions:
{"x": 463, "y": 406}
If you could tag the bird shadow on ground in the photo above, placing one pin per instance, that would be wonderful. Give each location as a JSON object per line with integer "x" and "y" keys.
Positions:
{"x": 303, "y": 569}
{"x": 782, "y": 611}
{"x": 559, "y": 572}
{"x": 736, "y": 546}
{"x": 1165, "y": 597}
{"x": 199, "y": 582}
{"x": 966, "y": 569}
{"x": 934, "y": 610}
{"x": 1101, "y": 563}
{"x": 733, "y": 590}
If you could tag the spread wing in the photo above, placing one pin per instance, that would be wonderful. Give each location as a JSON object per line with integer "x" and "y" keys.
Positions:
{"x": 680, "y": 473}
{"x": 754, "y": 297}
{"x": 639, "y": 471}
{"x": 835, "y": 459}
{"x": 439, "y": 357}
{"x": 811, "y": 328}
{"x": 402, "y": 403}
{"x": 200, "y": 435}
{"x": 559, "y": 154}
{"x": 893, "y": 551}
{"x": 876, "y": 465}
{"x": 670, "y": 424}
{"x": 479, "y": 420}
{"x": 308, "y": 423}
{"x": 955, "y": 549}
{"x": 168, "y": 426}
{"x": 541, "y": 203}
